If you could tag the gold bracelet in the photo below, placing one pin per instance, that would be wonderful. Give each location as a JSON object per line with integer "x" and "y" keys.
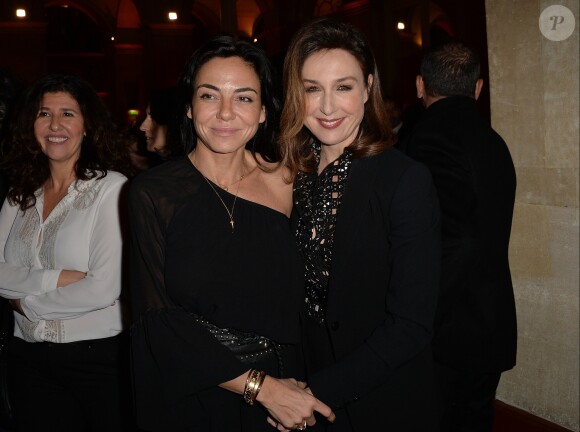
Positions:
{"x": 253, "y": 385}
{"x": 247, "y": 389}
{"x": 259, "y": 385}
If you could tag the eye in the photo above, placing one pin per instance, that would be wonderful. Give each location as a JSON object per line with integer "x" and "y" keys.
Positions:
{"x": 206, "y": 96}
{"x": 344, "y": 87}
{"x": 68, "y": 114}
{"x": 43, "y": 114}
{"x": 246, "y": 99}
{"x": 311, "y": 89}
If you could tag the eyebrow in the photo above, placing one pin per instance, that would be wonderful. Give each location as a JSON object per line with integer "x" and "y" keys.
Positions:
{"x": 60, "y": 109}
{"x": 338, "y": 80}
{"x": 239, "y": 90}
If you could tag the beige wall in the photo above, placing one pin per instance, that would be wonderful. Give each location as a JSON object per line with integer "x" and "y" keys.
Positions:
{"x": 534, "y": 84}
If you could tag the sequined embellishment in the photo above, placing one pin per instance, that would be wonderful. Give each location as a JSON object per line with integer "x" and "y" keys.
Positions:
{"x": 319, "y": 197}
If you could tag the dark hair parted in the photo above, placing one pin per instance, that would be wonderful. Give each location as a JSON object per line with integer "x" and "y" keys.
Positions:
{"x": 374, "y": 135}
{"x": 226, "y": 46}
{"x": 450, "y": 69}
{"x": 25, "y": 163}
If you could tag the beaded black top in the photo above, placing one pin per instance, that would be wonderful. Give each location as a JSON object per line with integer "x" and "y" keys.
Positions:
{"x": 319, "y": 197}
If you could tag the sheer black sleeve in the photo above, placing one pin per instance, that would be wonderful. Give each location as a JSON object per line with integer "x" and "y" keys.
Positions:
{"x": 173, "y": 356}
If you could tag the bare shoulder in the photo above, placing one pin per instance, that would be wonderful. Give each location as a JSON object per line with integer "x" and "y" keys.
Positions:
{"x": 271, "y": 186}
{"x": 275, "y": 173}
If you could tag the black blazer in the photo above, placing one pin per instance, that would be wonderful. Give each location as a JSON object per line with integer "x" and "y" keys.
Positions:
{"x": 382, "y": 297}
{"x": 475, "y": 179}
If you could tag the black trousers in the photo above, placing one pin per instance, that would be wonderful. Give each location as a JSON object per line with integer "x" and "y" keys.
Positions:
{"x": 77, "y": 386}
{"x": 466, "y": 399}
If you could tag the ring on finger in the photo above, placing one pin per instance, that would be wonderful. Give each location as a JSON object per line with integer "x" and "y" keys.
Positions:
{"x": 302, "y": 426}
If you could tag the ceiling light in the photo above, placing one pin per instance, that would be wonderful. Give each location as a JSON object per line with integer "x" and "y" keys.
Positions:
{"x": 401, "y": 25}
{"x": 21, "y": 13}
{"x": 172, "y": 16}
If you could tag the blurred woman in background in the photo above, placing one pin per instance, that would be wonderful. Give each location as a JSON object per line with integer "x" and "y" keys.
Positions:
{"x": 160, "y": 123}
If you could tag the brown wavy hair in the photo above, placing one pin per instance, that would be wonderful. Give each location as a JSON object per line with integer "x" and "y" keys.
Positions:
{"x": 26, "y": 166}
{"x": 374, "y": 135}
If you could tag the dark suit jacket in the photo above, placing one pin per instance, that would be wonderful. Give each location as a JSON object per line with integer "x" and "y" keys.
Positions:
{"x": 474, "y": 175}
{"x": 382, "y": 297}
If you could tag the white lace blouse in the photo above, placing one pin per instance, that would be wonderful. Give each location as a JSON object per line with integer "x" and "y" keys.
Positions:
{"x": 83, "y": 232}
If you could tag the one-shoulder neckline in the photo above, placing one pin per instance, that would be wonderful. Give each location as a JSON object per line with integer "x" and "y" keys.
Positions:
{"x": 239, "y": 198}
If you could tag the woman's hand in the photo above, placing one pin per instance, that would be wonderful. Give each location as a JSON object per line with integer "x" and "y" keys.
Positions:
{"x": 67, "y": 277}
{"x": 291, "y": 405}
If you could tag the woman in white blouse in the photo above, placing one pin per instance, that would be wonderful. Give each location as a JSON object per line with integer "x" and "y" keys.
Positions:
{"x": 61, "y": 259}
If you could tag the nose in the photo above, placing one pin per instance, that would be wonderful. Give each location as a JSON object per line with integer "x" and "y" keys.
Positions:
{"x": 54, "y": 123}
{"x": 225, "y": 111}
{"x": 327, "y": 103}
{"x": 144, "y": 126}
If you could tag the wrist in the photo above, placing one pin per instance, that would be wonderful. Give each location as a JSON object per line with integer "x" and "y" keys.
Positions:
{"x": 265, "y": 390}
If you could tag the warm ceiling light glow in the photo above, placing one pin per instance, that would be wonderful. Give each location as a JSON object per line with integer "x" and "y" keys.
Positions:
{"x": 172, "y": 16}
{"x": 112, "y": 38}
{"x": 401, "y": 25}
{"x": 255, "y": 40}
{"x": 21, "y": 13}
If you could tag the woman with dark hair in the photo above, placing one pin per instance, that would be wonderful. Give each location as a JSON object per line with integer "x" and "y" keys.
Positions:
{"x": 264, "y": 142}
{"x": 216, "y": 277}
{"x": 60, "y": 259}
{"x": 366, "y": 220}
{"x": 160, "y": 122}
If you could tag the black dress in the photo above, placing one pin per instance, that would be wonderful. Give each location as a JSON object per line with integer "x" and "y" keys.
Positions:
{"x": 186, "y": 260}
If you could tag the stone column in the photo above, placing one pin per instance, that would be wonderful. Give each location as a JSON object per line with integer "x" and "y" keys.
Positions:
{"x": 534, "y": 84}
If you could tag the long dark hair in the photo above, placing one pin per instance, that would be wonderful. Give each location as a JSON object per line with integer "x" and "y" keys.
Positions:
{"x": 374, "y": 136}
{"x": 27, "y": 166}
{"x": 224, "y": 46}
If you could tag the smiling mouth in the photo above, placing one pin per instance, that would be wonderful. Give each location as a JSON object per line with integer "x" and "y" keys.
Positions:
{"x": 224, "y": 131}
{"x": 57, "y": 140}
{"x": 330, "y": 124}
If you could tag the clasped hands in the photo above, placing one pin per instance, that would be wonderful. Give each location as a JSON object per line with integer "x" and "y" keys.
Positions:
{"x": 66, "y": 277}
{"x": 291, "y": 404}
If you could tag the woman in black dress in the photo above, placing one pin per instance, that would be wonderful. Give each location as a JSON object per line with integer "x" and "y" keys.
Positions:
{"x": 213, "y": 257}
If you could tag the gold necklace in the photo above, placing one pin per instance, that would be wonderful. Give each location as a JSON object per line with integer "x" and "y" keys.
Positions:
{"x": 230, "y": 212}
{"x": 226, "y": 187}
